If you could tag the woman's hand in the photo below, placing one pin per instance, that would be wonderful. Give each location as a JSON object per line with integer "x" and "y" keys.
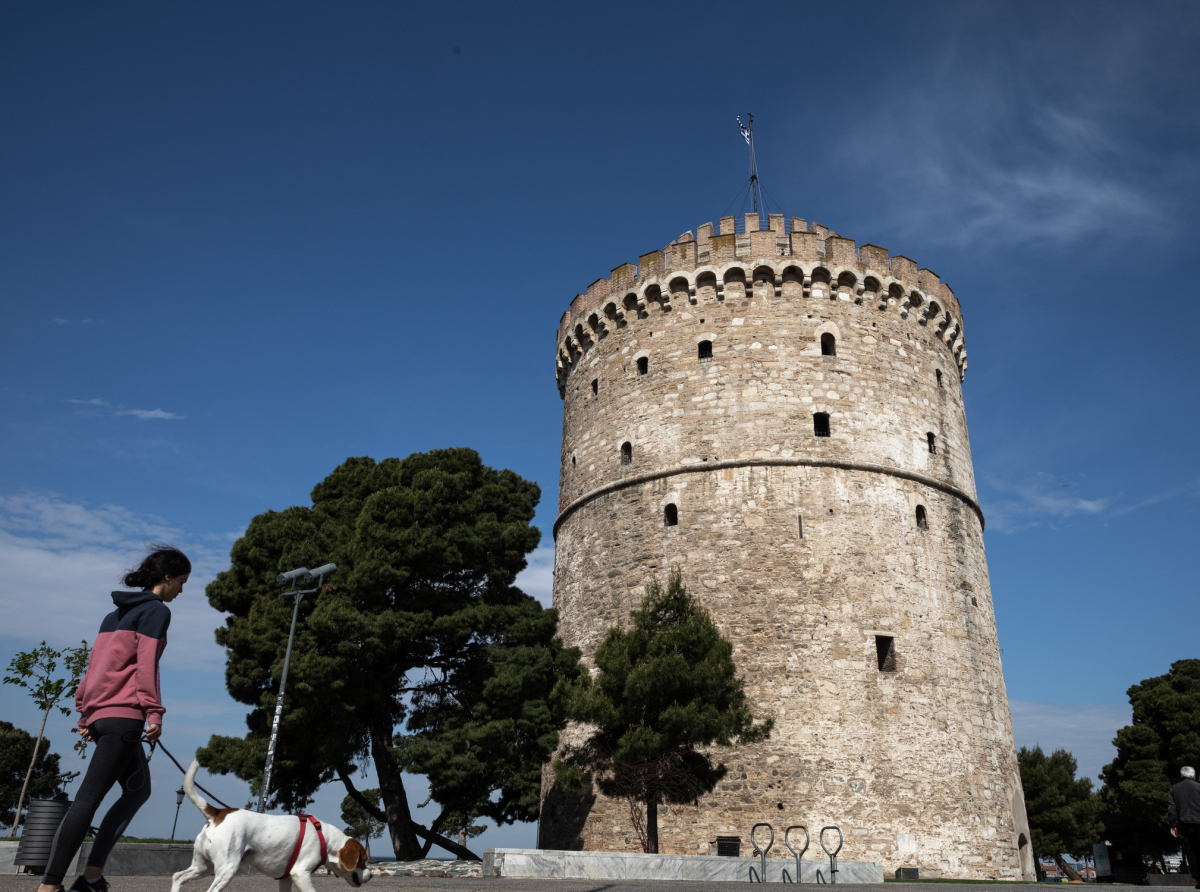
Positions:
{"x": 153, "y": 733}
{"x": 83, "y": 732}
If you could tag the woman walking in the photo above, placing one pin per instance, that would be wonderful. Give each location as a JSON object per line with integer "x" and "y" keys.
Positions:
{"x": 119, "y": 701}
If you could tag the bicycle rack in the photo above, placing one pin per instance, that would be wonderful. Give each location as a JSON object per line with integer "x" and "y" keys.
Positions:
{"x": 833, "y": 868}
{"x": 761, "y": 852}
{"x": 799, "y": 854}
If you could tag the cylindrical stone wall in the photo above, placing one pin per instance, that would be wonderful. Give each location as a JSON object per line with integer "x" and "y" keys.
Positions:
{"x": 806, "y": 549}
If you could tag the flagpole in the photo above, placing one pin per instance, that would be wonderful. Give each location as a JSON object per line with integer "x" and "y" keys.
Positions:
{"x": 753, "y": 164}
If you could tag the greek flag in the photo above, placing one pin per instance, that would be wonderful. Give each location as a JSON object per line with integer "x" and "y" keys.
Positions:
{"x": 745, "y": 132}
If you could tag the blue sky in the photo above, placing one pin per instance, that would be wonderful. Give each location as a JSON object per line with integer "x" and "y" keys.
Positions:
{"x": 239, "y": 243}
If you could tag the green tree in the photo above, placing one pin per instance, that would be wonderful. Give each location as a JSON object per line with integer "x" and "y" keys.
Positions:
{"x": 1062, "y": 810}
{"x": 16, "y": 752}
{"x": 37, "y": 672}
{"x": 662, "y": 689}
{"x": 1164, "y": 736}
{"x": 422, "y": 656}
{"x": 360, "y": 823}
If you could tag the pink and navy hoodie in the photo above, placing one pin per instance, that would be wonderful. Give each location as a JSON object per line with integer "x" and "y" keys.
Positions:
{"x": 122, "y": 673}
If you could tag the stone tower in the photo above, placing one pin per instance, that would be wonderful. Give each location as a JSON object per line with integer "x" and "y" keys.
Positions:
{"x": 779, "y": 413}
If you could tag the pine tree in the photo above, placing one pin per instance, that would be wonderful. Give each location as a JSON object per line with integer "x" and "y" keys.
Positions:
{"x": 1164, "y": 736}
{"x": 1062, "y": 810}
{"x": 16, "y": 754}
{"x": 421, "y": 655}
{"x": 663, "y": 689}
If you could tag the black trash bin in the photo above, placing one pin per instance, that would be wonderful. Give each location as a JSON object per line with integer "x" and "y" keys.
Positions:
{"x": 41, "y": 823}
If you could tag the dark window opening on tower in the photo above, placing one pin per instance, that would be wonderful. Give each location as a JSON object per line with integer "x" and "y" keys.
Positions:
{"x": 821, "y": 424}
{"x": 828, "y": 345}
{"x": 643, "y": 365}
{"x": 626, "y": 453}
{"x": 705, "y": 350}
{"x": 572, "y": 461}
{"x": 932, "y": 443}
{"x": 800, "y": 526}
{"x": 595, "y": 386}
{"x": 885, "y": 653}
{"x": 671, "y": 516}
{"x": 729, "y": 847}
{"x": 922, "y": 520}
{"x": 938, "y": 372}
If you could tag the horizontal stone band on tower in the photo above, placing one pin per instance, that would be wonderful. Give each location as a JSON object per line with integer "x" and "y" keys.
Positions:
{"x": 704, "y": 467}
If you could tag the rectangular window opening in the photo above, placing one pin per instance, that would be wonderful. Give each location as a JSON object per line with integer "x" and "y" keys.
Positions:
{"x": 885, "y": 652}
{"x": 729, "y": 846}
{"x": 821, "y": 424}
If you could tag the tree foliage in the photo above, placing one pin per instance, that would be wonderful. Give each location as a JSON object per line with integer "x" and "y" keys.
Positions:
{"x": 1164, "y": 736}
{"x": 664, "y": 688}
{"x": 421, "y": 630}
{"x": 361, "y": 824}
{"x": 16, "y": 752}
{"x": 37, "y": 672}
{"x": 1062, "y": 810}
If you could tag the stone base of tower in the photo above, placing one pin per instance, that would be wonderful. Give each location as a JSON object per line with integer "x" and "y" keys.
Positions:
{"x": 869, "y": 640}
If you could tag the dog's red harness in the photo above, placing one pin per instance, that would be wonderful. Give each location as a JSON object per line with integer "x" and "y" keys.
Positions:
{"x": 304, "y": 819}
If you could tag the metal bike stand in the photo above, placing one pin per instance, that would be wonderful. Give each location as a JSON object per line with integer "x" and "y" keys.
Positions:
{"x": 799, "y": 854}
{"x": 833, "y": 868}
{"x": 761, "y": 852}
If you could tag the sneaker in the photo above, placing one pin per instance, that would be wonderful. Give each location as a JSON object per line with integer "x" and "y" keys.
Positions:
{"x": 82, "y": 885}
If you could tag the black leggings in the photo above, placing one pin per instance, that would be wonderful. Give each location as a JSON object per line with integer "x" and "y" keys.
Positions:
{"x": 118, "y": 759}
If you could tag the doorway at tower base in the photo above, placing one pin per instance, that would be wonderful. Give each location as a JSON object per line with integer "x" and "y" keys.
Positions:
{"x": 547, "y": 864}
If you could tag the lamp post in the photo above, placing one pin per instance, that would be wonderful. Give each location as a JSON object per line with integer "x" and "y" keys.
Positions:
{"x": 178, "y": 802}
{"x": 292, "y": 576}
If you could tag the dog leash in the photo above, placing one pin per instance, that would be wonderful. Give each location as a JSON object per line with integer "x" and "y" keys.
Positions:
{"x": 159, "y": 744}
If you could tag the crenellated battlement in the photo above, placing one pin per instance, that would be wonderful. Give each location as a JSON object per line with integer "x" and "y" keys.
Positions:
{"x": 800, "y": 260}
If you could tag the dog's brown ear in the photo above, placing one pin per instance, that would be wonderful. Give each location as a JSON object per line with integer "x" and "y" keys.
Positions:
{"x": 352, "y": 855}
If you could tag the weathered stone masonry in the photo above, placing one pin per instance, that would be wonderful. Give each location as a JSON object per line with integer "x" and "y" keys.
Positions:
{"x": 917, "y": 764}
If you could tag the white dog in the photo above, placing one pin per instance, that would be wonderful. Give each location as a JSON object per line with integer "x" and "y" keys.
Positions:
{"x": 235, "y": 836}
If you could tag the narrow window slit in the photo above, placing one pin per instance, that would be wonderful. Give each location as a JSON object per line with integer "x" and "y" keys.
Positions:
{"x": 643, "y": 365}
{"x": 932, "y": 443}
{"x": 595, "y": 386}
{"x": 626, "y": 453}
{"x": 821, "y": 424}
{"x": 885, "y": 653}
{"x": 828, "y": 345}
{"x": 671, "y": 516}
{"x": 922, "y": 518}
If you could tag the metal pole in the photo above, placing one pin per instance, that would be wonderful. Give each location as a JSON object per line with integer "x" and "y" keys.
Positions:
{"x": 287, "y": 659}
{"x": 178, "y": 802}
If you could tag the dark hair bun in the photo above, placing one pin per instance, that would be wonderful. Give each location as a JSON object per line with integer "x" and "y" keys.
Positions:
{"x": 162, "y": 561}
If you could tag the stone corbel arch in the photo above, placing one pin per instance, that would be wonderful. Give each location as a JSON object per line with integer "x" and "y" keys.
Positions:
{"x": 826, "y": 327}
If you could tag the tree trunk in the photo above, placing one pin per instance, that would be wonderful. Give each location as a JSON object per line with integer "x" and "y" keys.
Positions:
{"x": 395, "y": 800}
{"x": 29, "y": 773}
{"x": 1067, "y": 869}
{"x": 652, "y": 826}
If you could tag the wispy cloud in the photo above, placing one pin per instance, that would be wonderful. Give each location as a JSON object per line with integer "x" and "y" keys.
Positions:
{"x": 147, "y": 413}
{"x": 61, "y": 559}
{"x": 1085, "y": 730}
{"x": 1036, "y": 500}
{"x": 1044, "y": 499}
{"x": 537, "y": 578}
{"x": 1023, "y": 144}
{"x": 99, "y": 406}
{"x": 59, "y": 320}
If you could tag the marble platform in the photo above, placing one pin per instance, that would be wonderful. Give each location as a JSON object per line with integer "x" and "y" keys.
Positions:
{"x": 549, "y": 864}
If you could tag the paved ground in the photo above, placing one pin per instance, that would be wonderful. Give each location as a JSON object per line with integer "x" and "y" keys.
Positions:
{"x": 12, "y": 883}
